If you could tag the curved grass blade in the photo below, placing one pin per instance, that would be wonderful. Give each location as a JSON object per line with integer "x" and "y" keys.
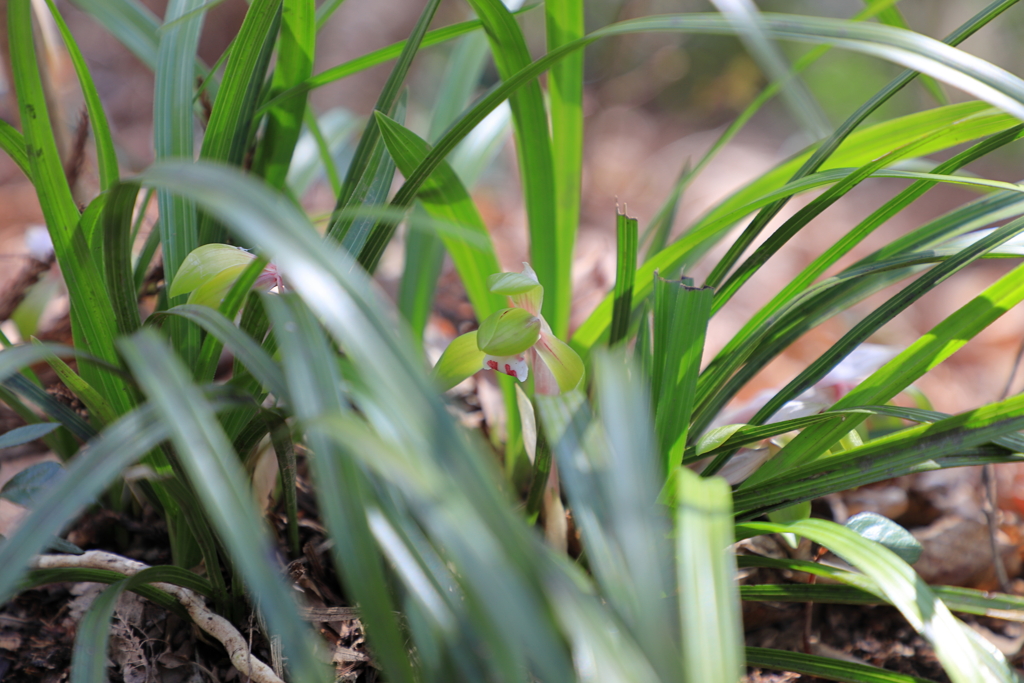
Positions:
{"x": 625, "y": 274}
{"x": 827, "y": 149}
{"x": 51, "y": 406}
{"x": 934, "y": 347}
{"x": 314, "y": 381}
{"x": 296, "y": 47}
{"x": 89, "y": 659}
{"x": 106, "y": 156}
{"x": 564, "y": 24}
{"x": 742, "y": 344}
{"x": 13, "y": 142}
{"x": 445, "y": 198}
{"x": 386, "y": 54}
{"x": 962, "y": 658}
{"x": 87, "y": 476}
{"x": 365, "y": 162}
{"x": 860, "y": 332}
{"x": 799, "y": 100}
{"x": 217, "y": 475}
{"x": 824, "y": 667}
{"x": 246, "y": 350}
{"x": 910, "y": 446}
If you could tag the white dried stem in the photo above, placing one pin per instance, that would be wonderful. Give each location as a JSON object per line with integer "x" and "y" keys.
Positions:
{"x": 214, "y": 624}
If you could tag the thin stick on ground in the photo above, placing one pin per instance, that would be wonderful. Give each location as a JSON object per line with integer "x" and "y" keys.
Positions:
{"x": 210, "y": 622}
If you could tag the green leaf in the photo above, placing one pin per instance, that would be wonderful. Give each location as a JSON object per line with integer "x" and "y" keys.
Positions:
{"x": 885, "y": 457}
{"x": 709, "y": 605}
{"x": 938, "y": 344}
{"x": 883, "y": 530}
{"x": 27, "y": 433}
{"x": 99, "y": 410}
{"x": 962, "y": 657}
{"x": 625, "y": 275}
{"x": 508, "y": 332}
{"x": 205, "y": 263}
{"x": 87, "y": 476}
{"x": 460, "y": 360}
{"x": 13, "y": 142}
{"x": 106, "y": 156}
{"x": 296, "y": 48}
{"x": 229, "y": 130}
{"x": 550, "y": 244}
{"x": 245, "y": 349}
{"x": 424, "y": 251}
{"x": 445, "y": 198}
{"x": 824, "y": 667}
{"x": 610, "y": 471}
{"x": 369, "y": 151}
{"x": 220, "y": 483}
{"x": 564, "y": 24}
{"x": 173, "y": 126}
{"x": 314, "y": 382}
{"x": 681, "y": 315}
{"x": 27, "y": 484}
{"x": 93, "y": 325}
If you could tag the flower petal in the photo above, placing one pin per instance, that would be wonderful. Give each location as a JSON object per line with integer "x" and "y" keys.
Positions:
{"x": 564, "y": 364}
{"x": 204, "y": 263}
{"x": 523, "y": 288}
{"x": 460, "y": 360}
{"x": 213, "y": 290}
{"x": 508, "y": 332}
{"x": 513, "y": 366}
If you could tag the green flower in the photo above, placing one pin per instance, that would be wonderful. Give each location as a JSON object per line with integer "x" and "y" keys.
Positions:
{"x": 208, "y": 273}
{"x": 514, "y": 341}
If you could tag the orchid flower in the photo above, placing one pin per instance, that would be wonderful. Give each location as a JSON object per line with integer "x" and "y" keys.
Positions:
{"x": 210, "y": 271}
{"x": 514, "y": 341}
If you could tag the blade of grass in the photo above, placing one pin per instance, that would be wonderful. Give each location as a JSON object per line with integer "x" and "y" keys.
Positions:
{"x": 296, "y": 46}
{"x": 364, "y": 163}
{"x": 106, "y": 156}
{"x": 937, "y": 345}
{"x": 313, "y": 379}
{"x": 550, "y": 248}
{"x": 709, "y": 604}
{"x": 92, "y": 320}
{"x": 87, "y": 476}
{"x": 424, "y": 251}
{"x": 961, "y": 657}
{"x": 445, "y": 198}
{"x": 824, "y": 667}
{"x": 799, "y": 100}
{"x": 173, "y": 138}
{"x": 215, "y": 472}
{"x": 829, "y": 146}
{"x": 908, "y": 446}
{"x": 681, "y": 314}
{"x": 625, "y": 274}
{"x": 564, "y": 23}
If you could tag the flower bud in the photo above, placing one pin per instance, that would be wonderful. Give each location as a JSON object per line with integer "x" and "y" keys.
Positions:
{"x": 508, "y": 332}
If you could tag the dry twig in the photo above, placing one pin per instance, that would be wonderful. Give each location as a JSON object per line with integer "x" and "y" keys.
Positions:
{"x": 214, "y": 624}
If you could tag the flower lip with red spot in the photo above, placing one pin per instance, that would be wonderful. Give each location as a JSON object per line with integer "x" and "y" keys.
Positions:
{"x": 514, "y": 341}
